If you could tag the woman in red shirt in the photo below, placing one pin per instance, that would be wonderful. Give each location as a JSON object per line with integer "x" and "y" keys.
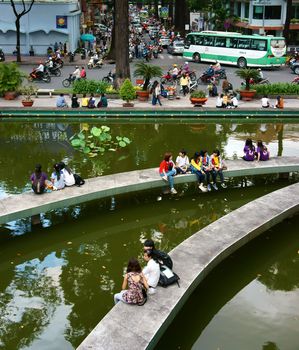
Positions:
{"x": 167, "y": 171}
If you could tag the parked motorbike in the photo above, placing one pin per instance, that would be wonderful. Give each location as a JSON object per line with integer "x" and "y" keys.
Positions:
{"x": 93, "y": 63}
{"x": 109, "y": 78}
{"x": 39, "y": 76}
{"x": 68, "y": 81}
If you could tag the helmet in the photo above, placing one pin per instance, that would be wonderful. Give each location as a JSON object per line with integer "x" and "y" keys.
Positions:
{"x": 259, "y": 69}
{"x": 186, "y": 62}
{"x": 175, "y": 65}
{"x": 77, "y": 67}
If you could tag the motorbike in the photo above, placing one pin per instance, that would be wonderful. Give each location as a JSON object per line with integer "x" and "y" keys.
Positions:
{"x": 93, "y": 63}
{"x": 39, "y": 76}
{"x": 263, "y": 81}
{"x": 53, "y": 71}
{"x": 2, "y": 56}
{"x": 68, "y": 81}
{"x": 208, "y": 79}
{"x": 155, "y": 52}
{"x": 220, "y": 72}
{"x": 58, "y": 61}
{"x": 109, "y": 78}
{"x": 295, "y": 80}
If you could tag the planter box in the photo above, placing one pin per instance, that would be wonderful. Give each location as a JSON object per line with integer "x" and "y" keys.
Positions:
{"x": 27, "y": 103}
{"x": 198, "y": 101}
{"x": 247, "y": 95}
{"x": 10, "y": 95}
{"x": 142, "y": 95}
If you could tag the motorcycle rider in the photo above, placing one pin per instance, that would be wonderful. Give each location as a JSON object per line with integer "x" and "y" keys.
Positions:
{"x": 210, "y": 71}
{"x": 76, "y": 73}
{"x": 217, "y": 66}
{"x": 39, "y": 71}
{"x": 261, "y": 75}
{"x": 175, "y": 71}
{"x": 83, "y": 73}
{"x": 186, "y": 68}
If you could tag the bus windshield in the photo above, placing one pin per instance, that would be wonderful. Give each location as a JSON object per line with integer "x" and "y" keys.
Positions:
{"x": 278, "y": 43}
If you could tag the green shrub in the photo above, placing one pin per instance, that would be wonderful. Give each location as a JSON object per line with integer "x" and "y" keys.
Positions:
{"x": 85, "y": 86}
{"x": 127, "y": 91}
{"x": 277, "y": 89}
{"x": 10, "y": 77}
{"x": 198, "y": 94}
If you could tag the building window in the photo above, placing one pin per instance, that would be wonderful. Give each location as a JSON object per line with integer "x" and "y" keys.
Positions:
{"x": 295, "y": 11}
{"x": 246, "y": 12}
{"x": 258, "y": 12}
{"x": 238, "y": 9}
{"x": 272, "y": 12}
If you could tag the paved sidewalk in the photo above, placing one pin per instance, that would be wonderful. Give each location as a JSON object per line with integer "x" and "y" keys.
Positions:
{"x": 34, "y": 60}
{"x": 183, "y": 102}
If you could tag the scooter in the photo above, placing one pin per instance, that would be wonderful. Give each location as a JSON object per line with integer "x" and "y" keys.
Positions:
{"x": 207, "y": 79}
{"x": 109, "y": 78}
{"x": 295, "y": 80}
{"x": 53, "y": 71}
{"x": 220, "y": 72}
{"x": 94, "y": 63}
{"x": 68, "y": 81}
{"x": 39, "y": 76}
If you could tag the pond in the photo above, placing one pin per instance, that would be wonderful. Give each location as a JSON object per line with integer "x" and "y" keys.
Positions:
{"x": 58, "y": 278}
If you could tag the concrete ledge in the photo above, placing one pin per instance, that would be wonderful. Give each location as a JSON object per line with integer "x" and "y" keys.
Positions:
{"x": 133, "y": 327}
{"x": 28, "y": 204}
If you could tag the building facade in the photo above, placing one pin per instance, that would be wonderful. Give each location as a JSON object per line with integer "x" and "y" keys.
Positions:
{"x": 47, "y": 22}
{"x": 264, "y": 16}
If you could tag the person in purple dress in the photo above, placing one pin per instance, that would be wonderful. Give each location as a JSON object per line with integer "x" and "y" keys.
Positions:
{"x": 136, "y": 281}
{"x": 262, "y": 152}
{"x": 38, "y": 180}
{"x": 249, "y": 151}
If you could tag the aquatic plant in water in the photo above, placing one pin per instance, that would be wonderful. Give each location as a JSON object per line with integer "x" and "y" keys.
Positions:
{"x": 96, "y": 141}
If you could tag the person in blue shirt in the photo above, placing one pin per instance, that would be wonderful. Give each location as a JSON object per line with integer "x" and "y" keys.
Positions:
{"x": 61, "y": 102}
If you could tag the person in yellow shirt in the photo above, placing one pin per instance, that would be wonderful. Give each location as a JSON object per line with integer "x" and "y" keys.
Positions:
{"x": 184, "y": 82}
{"x": 196, "y": 168}
{"x": 217, "y": 167}
{"x": 85, "y": 100}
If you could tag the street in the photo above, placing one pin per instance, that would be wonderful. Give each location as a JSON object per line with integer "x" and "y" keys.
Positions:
{"x": 165, "y": 61}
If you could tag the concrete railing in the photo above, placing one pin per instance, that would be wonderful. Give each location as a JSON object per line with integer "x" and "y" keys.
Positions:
{"x": 137, "y": 328}
{"x": 28, "y": 204}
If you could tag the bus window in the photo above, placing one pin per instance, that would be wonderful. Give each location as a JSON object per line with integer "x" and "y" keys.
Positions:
{"x": 243, "y": 43}
{"x": 234, "y": 43}
{"x": 208, "y": 41}
{"x": 229, "y": 42}
{"x": 199, "y": 40}
{"x": 258, "y": 44}
{"x": 219, "y": 42}
{"x": 190, "y": 40}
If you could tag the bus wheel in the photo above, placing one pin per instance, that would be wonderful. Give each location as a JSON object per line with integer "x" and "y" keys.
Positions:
{"x": 196, "y": 57}
{"x": 242, "y": 63}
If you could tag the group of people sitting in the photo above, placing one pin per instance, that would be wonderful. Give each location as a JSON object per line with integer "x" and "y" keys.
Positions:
{"x": 279, "y": 103}
{"x": 86, "y": 102}
{"x": 202, "y": 165}
{"x": 260, "y": 152}
{"x": 61, "y": 176}
{"x": 227, "y": 101}
{"x": 137, "y": 282}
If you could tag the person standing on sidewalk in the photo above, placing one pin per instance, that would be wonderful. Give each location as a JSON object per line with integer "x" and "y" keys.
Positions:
{"x": 156, "y": 91}
{"x": 185, "y": 82}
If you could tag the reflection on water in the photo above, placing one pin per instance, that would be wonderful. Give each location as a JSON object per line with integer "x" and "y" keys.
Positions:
{"x": 23, "y": 145}
{"x": 248, "y": 302}
{"x": 57, "y": 279}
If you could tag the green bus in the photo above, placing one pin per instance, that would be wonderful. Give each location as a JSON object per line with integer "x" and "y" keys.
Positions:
{"x": 236, "y": 49}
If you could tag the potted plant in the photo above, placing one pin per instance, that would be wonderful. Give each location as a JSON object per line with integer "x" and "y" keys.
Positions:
{"x": 247, "y": 74}
{"x": 27, "y": 91}
{"x": 11, "y": 79}
{"x": 198, "y": 98}
{"x": 147, "y": 72}
{"x": 127, "y": 93}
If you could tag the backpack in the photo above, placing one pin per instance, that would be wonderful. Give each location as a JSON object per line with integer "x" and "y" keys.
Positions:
{"x": 78, "y": 180}
{"x": 38, "y": 185}
{"x": 167, "y": 277}
{"x": 162, "y": 258}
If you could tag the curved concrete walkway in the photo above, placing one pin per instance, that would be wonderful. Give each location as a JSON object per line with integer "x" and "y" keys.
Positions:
{"x": 28, "y": 204}
{"x": 137, "y": 328}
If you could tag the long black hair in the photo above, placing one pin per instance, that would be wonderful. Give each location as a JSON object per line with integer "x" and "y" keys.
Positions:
{"x": 57, "y": 170}
{"x": 133, "y": 265}
{"x": 62, "y": 165}
{"x": 38, "y": 171}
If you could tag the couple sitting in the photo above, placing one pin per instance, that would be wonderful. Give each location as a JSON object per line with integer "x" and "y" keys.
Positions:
{"x": 61, "y": 176}
{"x": 138, "y": 283}
{"x": 260, "y": 153}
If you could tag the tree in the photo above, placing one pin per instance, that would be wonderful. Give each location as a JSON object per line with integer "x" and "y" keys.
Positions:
{"x": 19, "y": 15}
{"x": 181, "y": 16}
{"x": 147, "y": 71}
{"x": 286, "y": 29}
{"x": 122, "y": 41}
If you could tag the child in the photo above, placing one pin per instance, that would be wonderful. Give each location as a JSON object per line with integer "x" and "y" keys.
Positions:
{"x": 182, "y": 162}
{"x": 217, "y": 167}
{"x": 167, "y": 171}
{"x": 249, "y": 151}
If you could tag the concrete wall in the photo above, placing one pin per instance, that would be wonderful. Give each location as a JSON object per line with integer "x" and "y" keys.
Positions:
{"x": 38, "y": 27}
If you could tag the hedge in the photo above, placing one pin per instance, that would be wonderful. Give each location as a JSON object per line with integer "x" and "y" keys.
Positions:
{"x": 277, "y": 89}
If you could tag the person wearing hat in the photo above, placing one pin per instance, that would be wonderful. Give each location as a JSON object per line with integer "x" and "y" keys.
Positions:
{"x": 76, "y": 73}
{"x": 39, "y": 71}
{"x": 261, "y": 75}
{"x": 175, "y": 71}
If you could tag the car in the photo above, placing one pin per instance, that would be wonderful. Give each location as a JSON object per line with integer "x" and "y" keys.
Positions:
{"x": 101, "y": 27}
{"x": 164, "y": 41}
{"x": 176, "y": 47}
{"x": 295, "y": 67}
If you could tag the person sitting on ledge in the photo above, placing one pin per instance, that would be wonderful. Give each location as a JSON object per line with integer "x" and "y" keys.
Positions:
{"x": 75, "y": 103}
{"x": 136, "y": 281}
{"x": 160, "y": 257}
{"x": 61, "y": 102}
{"x": 262, "y": 152}
{"x": 151, "y": 271}
{"x": 249, "y": 151}
{"x": 38, "y": 180}
{"x": 85, "y": 100}
{"x": 57, "y": 178}
{"x": 103, "y": 103}
{"x": 167, "y": 171}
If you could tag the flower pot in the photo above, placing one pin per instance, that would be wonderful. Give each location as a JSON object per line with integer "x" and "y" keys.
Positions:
{"x": 198, "y": 101}
{"x": 26, "y": 103}
{"x": 247, "y": 95}
{"x": 128, "y": 104}
{"x": 10, "y": 95}
{"x": 143, "y": 95}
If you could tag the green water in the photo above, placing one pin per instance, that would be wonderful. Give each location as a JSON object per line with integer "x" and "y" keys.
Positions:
{"x": 250, "y": 302}
{"x": 58, "y": 278}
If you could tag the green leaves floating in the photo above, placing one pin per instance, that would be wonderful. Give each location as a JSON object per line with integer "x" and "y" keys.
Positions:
{"x": 95, "y": 141}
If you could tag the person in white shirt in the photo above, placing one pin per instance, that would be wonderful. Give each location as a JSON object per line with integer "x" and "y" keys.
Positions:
{"x": 175, "y": 71}
{"x": 69, "y": 179}
{"x": 151, "y": 271}
{"x": 182, "y": 162}
{"x": 219, "y": 101}
{"x": 261, "y": 75}
{"x": 76, "y": 73}
{"x": 265, "y": 102}
{"x": 235, "y": 102}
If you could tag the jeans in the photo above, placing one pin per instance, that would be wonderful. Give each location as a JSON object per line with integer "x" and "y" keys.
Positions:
{"x": 217, "y": 172}
{"x": 208, "y": 173}
{"x": 155, "y": 100}
{"x": 200, "y": 176}
{"x": 170, "y": 174}
{"x": 119, "y": 297}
